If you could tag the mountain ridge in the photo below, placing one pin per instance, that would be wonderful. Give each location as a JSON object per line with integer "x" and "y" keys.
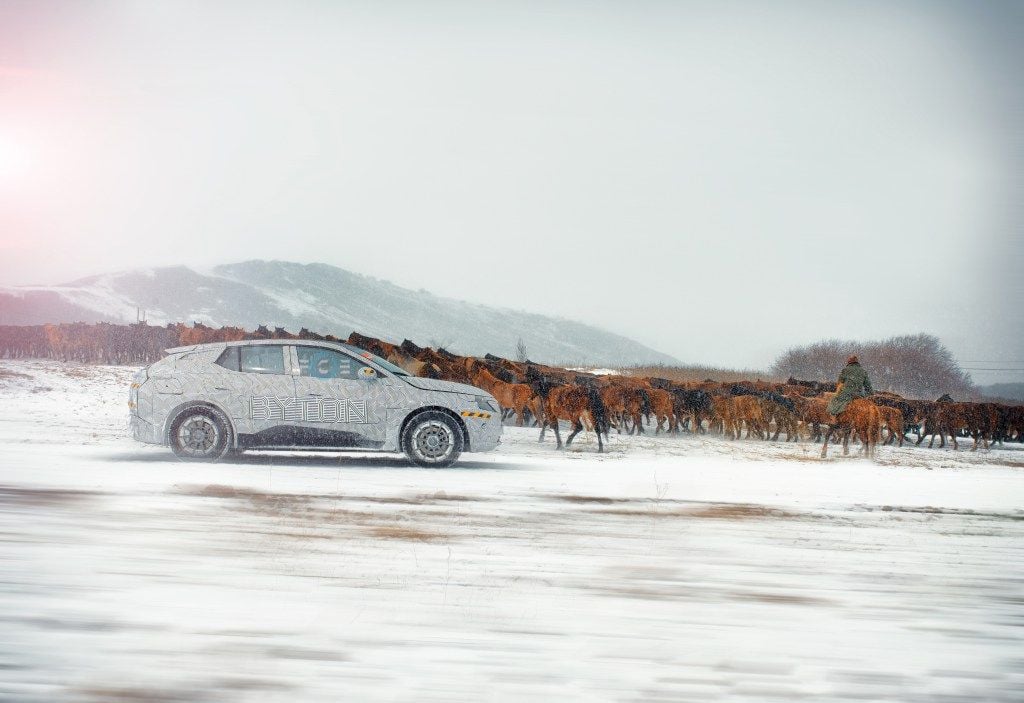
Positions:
{"x": 320, "y": 297}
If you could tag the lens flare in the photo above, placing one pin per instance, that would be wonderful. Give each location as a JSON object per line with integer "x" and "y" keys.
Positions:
{"x": 15, "y": 158}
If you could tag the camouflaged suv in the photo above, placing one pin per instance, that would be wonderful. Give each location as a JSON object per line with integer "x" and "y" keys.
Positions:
{"x": 210, "y": 399}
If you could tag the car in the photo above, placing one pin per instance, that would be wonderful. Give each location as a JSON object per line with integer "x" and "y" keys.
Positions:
{"x": 208, "y": 400}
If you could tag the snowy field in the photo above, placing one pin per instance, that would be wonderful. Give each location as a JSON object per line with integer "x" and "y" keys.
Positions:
{"x": 680, "y": 568}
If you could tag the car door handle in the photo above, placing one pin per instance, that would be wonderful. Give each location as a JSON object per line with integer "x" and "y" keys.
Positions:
{"x": 220, "y": 388}
{"x": 318, "y": 395}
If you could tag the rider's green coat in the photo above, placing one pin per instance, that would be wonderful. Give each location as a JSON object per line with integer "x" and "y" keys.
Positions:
{"x": 855, "y": 385}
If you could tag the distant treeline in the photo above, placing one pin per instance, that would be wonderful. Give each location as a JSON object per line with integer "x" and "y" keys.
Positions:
{"x": 106, "y": 343}
{"x": 915, "y": 366}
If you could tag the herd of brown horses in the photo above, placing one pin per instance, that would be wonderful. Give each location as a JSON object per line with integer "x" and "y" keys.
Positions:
{"x": 543, "y": 395}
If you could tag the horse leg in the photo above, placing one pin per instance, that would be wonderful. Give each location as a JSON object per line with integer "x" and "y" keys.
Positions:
{"x": 576, "y": 427}
{"x": 824, "y": 445}
{"x": 558, "y": 435}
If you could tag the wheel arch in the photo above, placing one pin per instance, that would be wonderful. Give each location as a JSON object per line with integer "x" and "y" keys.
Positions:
{"x": 439, "y": 408}
{"x": 177, "y": 410}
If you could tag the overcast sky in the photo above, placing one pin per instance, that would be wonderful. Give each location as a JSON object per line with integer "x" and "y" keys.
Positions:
{"x": 718, "y": 180}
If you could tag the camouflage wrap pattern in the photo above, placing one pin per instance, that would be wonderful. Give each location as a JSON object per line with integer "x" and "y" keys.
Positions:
{"x": 372, "y": 408}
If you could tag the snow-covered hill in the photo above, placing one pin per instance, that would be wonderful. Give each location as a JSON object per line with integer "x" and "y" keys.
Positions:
{"x": 319, "y": 297}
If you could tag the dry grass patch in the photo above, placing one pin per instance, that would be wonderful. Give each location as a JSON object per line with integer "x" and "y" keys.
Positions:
{"x": 76, "y": 372}
{"x": 130, "y": 694}
{"x": 694, "y": 373}
{"x": 712, "y": 511}
{"x": 405, "y": 533}
{"x": 419, "y": 499}
{"x": 11, "y": 495}
{"x": 742, "y": 511}
{"x": 601, "y": 500}
{"x": 811, "y": 458}
{"x": 780, "y": 598}
{"x": 217, "y": 490}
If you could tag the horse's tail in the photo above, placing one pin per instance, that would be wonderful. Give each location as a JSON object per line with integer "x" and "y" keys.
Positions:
{"x": 598, "y": 410}
{"x": 539, "y": 382}
{"x": 645, "y": 402}
{"x": 702, "y": 401}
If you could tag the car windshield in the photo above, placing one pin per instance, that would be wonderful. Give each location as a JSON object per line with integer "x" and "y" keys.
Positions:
{"x": 388, "y": 366}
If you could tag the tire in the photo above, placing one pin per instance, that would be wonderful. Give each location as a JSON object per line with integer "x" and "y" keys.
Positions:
{"x": 200, "y": 434}
{"x": 432, "y": 439}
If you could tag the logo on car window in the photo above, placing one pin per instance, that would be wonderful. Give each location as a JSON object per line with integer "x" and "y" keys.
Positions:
{"x": 269, "y": 407}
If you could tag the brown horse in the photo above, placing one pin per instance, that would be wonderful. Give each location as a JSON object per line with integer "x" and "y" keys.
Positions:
{"x": 724, "y": 413}
{"x": 574, "y": 404}
{"x": 813, "y": 414}
{"x": 626, "y": 402}
{"x": 860, "y": 417}
{"x": 785, "y": 420}
{"x": 750, "y": 411}
{"x": 893, "y": 421}
{"x": 663, "y": 409}
{"x": 513, "y": 396}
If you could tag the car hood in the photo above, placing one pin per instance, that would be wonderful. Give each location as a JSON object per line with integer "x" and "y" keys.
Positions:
{"x": 434, "y": 384}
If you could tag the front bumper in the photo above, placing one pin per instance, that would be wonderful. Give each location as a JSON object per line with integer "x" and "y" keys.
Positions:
{"x": 143, "y": 431}
{"x": 484, "y": 434}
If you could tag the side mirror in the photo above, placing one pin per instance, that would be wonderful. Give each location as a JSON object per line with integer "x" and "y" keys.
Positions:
{"x": 367, "y": 373}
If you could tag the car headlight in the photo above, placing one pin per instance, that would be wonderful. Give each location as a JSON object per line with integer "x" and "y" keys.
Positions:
{"x": 485, "y": 404}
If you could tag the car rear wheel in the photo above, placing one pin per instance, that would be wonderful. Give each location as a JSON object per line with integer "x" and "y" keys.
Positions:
{"x": 200, "y": 434}
{"x": 432, "y": 439}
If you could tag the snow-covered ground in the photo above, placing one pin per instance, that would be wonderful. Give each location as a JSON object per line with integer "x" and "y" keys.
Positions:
{"x": 676, "y": 568}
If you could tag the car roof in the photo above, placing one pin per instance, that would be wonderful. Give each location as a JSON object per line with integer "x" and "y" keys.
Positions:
{"x": 248, "y": 342}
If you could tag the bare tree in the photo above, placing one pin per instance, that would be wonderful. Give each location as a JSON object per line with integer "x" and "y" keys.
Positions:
{"x": 917, "y": 366}
{"x": 521, "y": 354}
{"x": 439, "y": 343}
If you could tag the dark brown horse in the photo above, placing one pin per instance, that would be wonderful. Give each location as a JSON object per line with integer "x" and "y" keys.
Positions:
{"x": 574, "y": 403}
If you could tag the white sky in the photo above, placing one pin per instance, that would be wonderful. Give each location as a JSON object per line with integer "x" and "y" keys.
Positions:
{"x": 718, "y": 180}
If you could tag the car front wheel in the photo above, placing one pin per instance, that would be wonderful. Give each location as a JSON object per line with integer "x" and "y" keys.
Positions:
{"x": 200, "y": 434}
{"x": 432, "y": 439}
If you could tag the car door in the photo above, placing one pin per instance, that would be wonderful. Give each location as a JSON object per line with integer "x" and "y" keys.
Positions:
{"x": 341, "y": 397}
{"x": 258, "y": 392}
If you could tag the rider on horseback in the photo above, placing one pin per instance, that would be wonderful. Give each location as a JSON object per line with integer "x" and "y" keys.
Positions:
{"x": 853, "y": 383}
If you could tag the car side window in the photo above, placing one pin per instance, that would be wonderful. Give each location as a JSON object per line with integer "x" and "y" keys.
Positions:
{"x": 316, "y": 362}
{"x": 228, "y": 359}
{"x": 261, "y": 358}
